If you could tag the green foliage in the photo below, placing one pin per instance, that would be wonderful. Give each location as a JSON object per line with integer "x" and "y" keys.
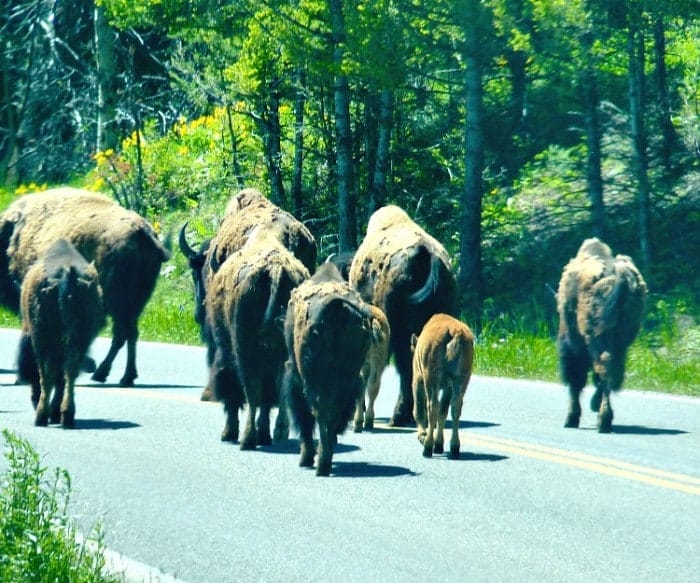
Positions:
{"x": 37, "y": 538}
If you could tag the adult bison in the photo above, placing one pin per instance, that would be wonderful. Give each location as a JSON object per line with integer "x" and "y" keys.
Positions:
{"x": 406, "y": 273}
{"x": 443, "y": 355}
{"x": 246, "y": 211}
{"x": 245, "y": 307}
{"x": 62, "y": 312}
{"x": 600, "y": 301}
{"x": 328, "y": 331}
{"x": 124, "y": 247}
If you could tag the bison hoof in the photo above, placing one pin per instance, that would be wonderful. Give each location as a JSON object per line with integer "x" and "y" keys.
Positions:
{"x": 248, "y": 444}
{"x": 454, "y": 453}
{"x": 68, "y": 421}
{"x": 127, "y": 381}
{"x": 207, "y": 395}
{"x": 99, "y": 376}
{"x": 264, "y": 439}
{"x": 427, "y": 452}
{"x": 369, "y": 424}
{"x": 41, "y": 420}
{"x": 323, "y": 470}
{"x": 401, "y": 420}
{"x": 571, "y": 421}
{"x": 358, "y": 428}
{"x": 439, "y": 448}
{"x": 88, "y": 364}
{"x": 605, "y": 426}
{"x": 227, "y": 435}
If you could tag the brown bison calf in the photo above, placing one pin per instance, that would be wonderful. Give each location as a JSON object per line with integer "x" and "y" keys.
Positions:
{"x": 328, "y": 331}
{"x": 443, "y": 355}
{"x": 62, "y": 312}
{"x": 377, "y": 359}
{"x": 600, "y": 303}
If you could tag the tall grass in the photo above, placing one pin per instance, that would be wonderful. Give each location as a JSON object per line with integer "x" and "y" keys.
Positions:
{"x": 37, "y": 538}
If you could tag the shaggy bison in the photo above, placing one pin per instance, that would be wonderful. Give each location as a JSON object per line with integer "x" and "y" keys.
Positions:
{"x": 61, "y": 307}
{"x": 600, "y": 302}
{"x": 328, "y": 330}
{"x": 246, "y": 303}
{"x": 443, "y": 355}
{"x": 406, "y": 273}
{"x": 124, "y": 247}
{"x": 377, "y": 359}
{"x": 246, "y": 211}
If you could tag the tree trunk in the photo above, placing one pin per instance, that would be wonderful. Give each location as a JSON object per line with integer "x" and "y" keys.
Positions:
{"x": 668, "y": 132}
{"x": 105, "y": 61}
{"x": 347, "y": 228}
{"x": 635, "y": 52}
{"x": 273, "y": 150}
{"x": 381, "y": 167}
{"x": 591, "y": 102}
{"x": 297, "y": 173}
{"x": 470, "y": 267}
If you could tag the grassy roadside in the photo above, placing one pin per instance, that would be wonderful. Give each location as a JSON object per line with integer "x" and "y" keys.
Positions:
{"x": 37, "y": 537}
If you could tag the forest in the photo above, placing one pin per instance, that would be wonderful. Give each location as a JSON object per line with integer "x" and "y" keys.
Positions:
{"x": 510, "y": 129}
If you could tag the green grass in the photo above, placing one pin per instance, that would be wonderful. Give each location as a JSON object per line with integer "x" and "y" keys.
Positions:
{"x": 37, "y": 538}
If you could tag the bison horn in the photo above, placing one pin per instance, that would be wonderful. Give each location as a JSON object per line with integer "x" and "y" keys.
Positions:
{"x": 187, "y": 251}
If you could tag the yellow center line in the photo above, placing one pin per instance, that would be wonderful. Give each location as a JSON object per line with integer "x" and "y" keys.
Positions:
{"x": 607, "y": 466}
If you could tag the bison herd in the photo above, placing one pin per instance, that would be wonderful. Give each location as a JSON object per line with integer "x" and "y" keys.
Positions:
{"x": 281, "y": 331}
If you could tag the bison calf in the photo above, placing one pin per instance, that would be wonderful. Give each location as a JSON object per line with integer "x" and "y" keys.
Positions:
{"x": 600, "y": 302}
{"x": 443, "y": 355}
{"x": 62, "y": 312}
{"x": 328, "y": 331}
{"x": 377, "y": 359}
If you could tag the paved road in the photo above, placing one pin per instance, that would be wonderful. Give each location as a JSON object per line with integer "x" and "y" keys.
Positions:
{"x": 528, "y": 501}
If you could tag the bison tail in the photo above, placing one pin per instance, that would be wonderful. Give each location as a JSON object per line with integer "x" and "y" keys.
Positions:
{"x": 625, "y": 282}
{"x": 430, "y": 285}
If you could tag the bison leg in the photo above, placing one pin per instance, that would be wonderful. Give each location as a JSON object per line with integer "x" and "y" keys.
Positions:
{"x": 402, "y": 416}
{"x": 439, "y": 446}
{"x": 281, "y": 424}
{"x": 57, "y": 398}
{"x": 456, "y": 410}
{"x": 46, "y": 380}
{"x": 263, "y": 425}
{"x": 429, "y": 443}
{"x": 248, "y": 441}
{"x": 420, "y": 412}
{"x": 574, "y": 370}
{"x": 102, "y": 372}
{"x": 605, "y": 412}
{"x": 372, "y": 392}
{"x": 326, "y": 446}
{"x": 300, "y": 413}
{"x": 359, "y": 421}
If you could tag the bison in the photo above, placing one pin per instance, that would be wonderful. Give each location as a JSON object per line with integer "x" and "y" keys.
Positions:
{"x": 600, "y": 301}
{"x": 62, "y": 312}
{"x": 377, "y": 359}
{"x": 406, "y": 273}
{"x": 443, "y": 356}
{"x": 328, "y": 331}
{"x": 124, "y": 247}
{"x": 246, "y": 211}
{"x": 245, "y": 307}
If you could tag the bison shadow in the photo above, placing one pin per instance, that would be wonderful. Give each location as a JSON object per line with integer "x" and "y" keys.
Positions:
{"x": 641, "y": 430}
{"x": 96, "y": 385}
{"x": 468, "y": 456}
{"x": 291, "y": 446}
{"x": 368, "y": 470}
{"x": 465, "y": 424}
{"x": 100, "y": 424}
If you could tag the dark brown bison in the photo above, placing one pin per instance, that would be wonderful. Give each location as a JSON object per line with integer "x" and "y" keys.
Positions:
{"x": 377, "y": 359}
{"x": 443, "y": 355}
{"x": 247, "y": 210}
{"x": 600, "y": 303}
{"x": 62, "y": 312}
{"x": 328, "y": 330}
{"x": 246, "y": 303}
{"x": 124, "y": 247}
{"x": 406, "y": 273}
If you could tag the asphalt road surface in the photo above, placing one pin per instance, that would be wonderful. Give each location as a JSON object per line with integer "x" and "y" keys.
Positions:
{"x": 527, "y": 501}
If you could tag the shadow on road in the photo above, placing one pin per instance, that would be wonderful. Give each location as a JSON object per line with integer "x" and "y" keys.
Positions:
{"x": 103, "y": 424}
{"x": 136, "y": 386}
{"x": 291, "y": 446}
{"x": 466, "y": 424}
{"x": 368, "y": 470}
{"x": 467, "y": 456}
{"x": 642, "y": 430}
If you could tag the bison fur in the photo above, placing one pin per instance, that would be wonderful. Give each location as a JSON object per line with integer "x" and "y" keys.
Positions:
{"x": 407, "y": 274}
{"x": 123, "y": 246}
{"x": 600, "y": 302}
{"x": 246, "y": 304}
{"x": 62, "y": 312}
{"x": 443, "y": 356}
{"x": 377, "y": 359}
{"x": 328, "y": 331}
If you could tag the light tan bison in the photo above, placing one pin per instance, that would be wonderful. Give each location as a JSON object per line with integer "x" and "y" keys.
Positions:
{"x": 443, "y": 356}
{"x": 600, "y": 301}
{"x": 407, "y": 274}
{"x": 62, "y": 312}
{"x": 377, "y": 359}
